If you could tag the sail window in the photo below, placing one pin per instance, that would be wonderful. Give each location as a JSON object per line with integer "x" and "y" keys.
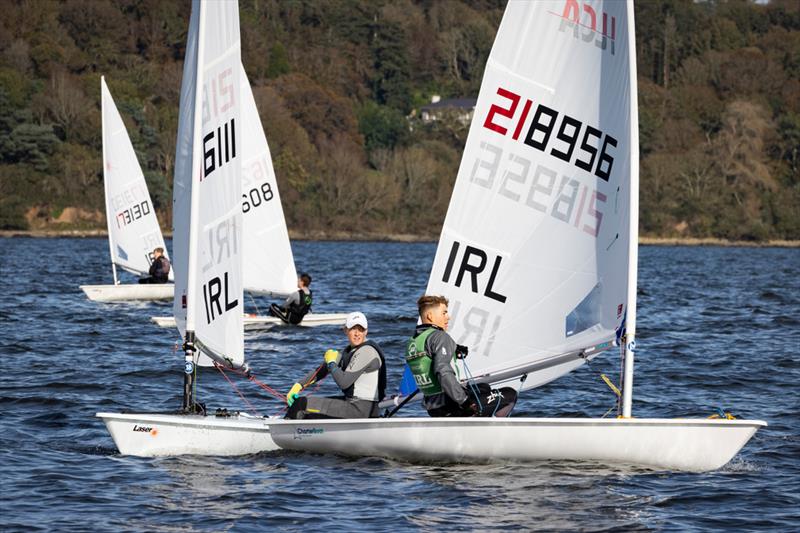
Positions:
{"x": 586, "y": 314}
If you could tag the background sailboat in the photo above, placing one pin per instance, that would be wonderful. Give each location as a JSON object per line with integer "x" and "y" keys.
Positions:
{"x": 268, "y": 263}
{"x": 207, "y": 225}
{"x": 538, "y": 255}
{"x": 133, "y": 230}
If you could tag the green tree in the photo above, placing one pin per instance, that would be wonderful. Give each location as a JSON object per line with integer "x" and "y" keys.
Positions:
{"x": 278, "y": 61}
{"x": 382, "y": 126}
{"x": 390, "y": 79}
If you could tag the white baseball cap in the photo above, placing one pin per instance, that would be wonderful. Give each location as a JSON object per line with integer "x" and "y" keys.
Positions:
{"x": 356, "y": 319}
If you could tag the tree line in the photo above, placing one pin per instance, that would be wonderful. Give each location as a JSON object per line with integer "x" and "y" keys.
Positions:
{"x": 339, "y": 86}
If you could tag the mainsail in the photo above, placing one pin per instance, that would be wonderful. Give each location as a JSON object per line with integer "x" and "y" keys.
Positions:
{"x": 268, "y": 262}
{"x": 534, "y": 252}
{"x": 207, "y": 210}
{"x": 133, "y": 230}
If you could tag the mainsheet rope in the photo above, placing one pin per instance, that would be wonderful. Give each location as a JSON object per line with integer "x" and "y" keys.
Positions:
{"x": 277, "y": 395}
{"x": 271, "y": 391}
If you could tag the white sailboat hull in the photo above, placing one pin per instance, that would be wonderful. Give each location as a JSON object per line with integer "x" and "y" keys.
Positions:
{"x": 131, "y": 292}
{"x": 150, "y": 435}
{"x": 264, "y": 322}
{"x": 659, "y": 444}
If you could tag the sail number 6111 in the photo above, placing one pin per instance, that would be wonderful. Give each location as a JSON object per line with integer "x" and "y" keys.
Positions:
{"x": 558, "y": 132}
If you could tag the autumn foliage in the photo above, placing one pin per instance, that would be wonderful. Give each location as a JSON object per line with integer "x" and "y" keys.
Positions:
{"x": 339, "y": 85}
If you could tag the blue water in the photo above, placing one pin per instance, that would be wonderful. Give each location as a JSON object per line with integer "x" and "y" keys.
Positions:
{"x": 718, "y": 328}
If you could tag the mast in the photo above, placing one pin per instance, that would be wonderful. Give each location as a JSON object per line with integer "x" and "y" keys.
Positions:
{"x": 207, "y": 217}
{"x": 630, "y": 326}
{"x": 103, "y": 91}
{"x": 190, "y": 351}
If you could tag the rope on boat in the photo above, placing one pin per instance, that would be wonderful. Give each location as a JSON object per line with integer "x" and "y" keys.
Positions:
{"x": 253, "y": 300}
{"x": 250, "y": 405}
{"x": 274, "y": 393}
{"x": 611, "y": 385}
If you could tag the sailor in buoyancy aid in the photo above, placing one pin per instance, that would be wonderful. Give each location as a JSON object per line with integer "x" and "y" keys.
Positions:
{"x": 360, "y": 372}
{"x": 298, "y": 304}
{"x": 430, "y": 354}
{"x": 159, "y": 268}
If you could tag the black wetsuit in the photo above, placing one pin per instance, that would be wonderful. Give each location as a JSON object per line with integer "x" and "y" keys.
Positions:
{"x": 296, "y": 306}
{"x": 159, "y": 271}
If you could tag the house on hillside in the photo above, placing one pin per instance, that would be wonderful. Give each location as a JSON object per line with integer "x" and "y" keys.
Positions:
{"x": 461, "y": 109}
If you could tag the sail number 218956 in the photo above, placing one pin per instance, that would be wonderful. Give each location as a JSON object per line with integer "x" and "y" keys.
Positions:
{"x": 558, "y": 132}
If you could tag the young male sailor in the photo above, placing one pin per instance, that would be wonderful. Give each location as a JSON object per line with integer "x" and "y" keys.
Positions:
{"x": 430, "y": 355}
{"x": 360, "y": 372}
{"x": 297, "y": 305}
{"x": 159, "y": 269}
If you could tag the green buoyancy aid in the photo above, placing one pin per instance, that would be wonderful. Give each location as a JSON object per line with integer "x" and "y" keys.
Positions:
{"x": 421, "y": 364}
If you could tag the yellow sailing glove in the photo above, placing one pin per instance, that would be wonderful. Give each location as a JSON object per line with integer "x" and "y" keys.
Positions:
{"x": 331, "y": 356}
{"x": 293, "y": 392}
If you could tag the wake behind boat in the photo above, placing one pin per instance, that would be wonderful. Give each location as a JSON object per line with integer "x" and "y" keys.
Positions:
{"x": 552, "y": 161}
{"x": 133, "y": 230}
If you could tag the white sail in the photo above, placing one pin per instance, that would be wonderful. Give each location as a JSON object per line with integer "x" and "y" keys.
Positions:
{"x": 133, "y": 230}
{"x": 535, "y": 246}
{"x": 207, "y": 212}
{"x": 268, "y": 262}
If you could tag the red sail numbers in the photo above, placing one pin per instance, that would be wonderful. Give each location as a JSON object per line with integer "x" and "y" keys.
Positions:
{"x": 547, "y": 121}
{"x": 535, "y": 185}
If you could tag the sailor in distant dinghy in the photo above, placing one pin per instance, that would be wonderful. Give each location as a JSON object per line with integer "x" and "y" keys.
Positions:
{"x": 360, "y": 372}
{"x": 297, "y": 305}
{"x": 159, "y": 268}
{"x": 430, "y": 354}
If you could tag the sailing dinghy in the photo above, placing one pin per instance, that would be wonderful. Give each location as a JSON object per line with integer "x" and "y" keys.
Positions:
{"x": 133, "y": 230}
{"x": 268, "y": 262}
{"x": 207, "y": 225}
{"x": 551, "y": 161}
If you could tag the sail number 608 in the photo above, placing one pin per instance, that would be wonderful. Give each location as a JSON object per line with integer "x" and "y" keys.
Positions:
{"x": 256, "y": 196}
{"x": 567, "y": 135}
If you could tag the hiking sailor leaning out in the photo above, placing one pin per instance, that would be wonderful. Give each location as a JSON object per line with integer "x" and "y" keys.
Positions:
{"x": 431, "y": 354}
{"x": 297, "y": 305}
{"x": 360, "y": 371}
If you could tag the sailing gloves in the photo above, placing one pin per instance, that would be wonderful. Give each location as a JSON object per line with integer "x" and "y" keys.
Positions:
{"x": 331, "y": 358}
{"x": 293, "y": 393}
{"x": 461, "y": 351}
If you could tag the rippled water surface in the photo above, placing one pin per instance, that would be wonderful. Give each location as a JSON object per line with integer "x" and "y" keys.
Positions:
{"x": 718, "y": 328}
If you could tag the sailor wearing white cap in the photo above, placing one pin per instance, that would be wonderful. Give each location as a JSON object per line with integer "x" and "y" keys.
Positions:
{"x": 360, "y": 371}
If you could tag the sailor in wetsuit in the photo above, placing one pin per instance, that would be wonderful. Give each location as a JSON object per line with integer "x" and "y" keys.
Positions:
{"x": 159, "y": 268}
{"x": 360, "y": 372}
{"x": 297, "y": 305}
{"x": 431, "y": 354}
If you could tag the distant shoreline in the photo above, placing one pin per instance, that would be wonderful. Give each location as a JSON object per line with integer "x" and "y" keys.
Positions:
{"x": 400, "y": 237}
